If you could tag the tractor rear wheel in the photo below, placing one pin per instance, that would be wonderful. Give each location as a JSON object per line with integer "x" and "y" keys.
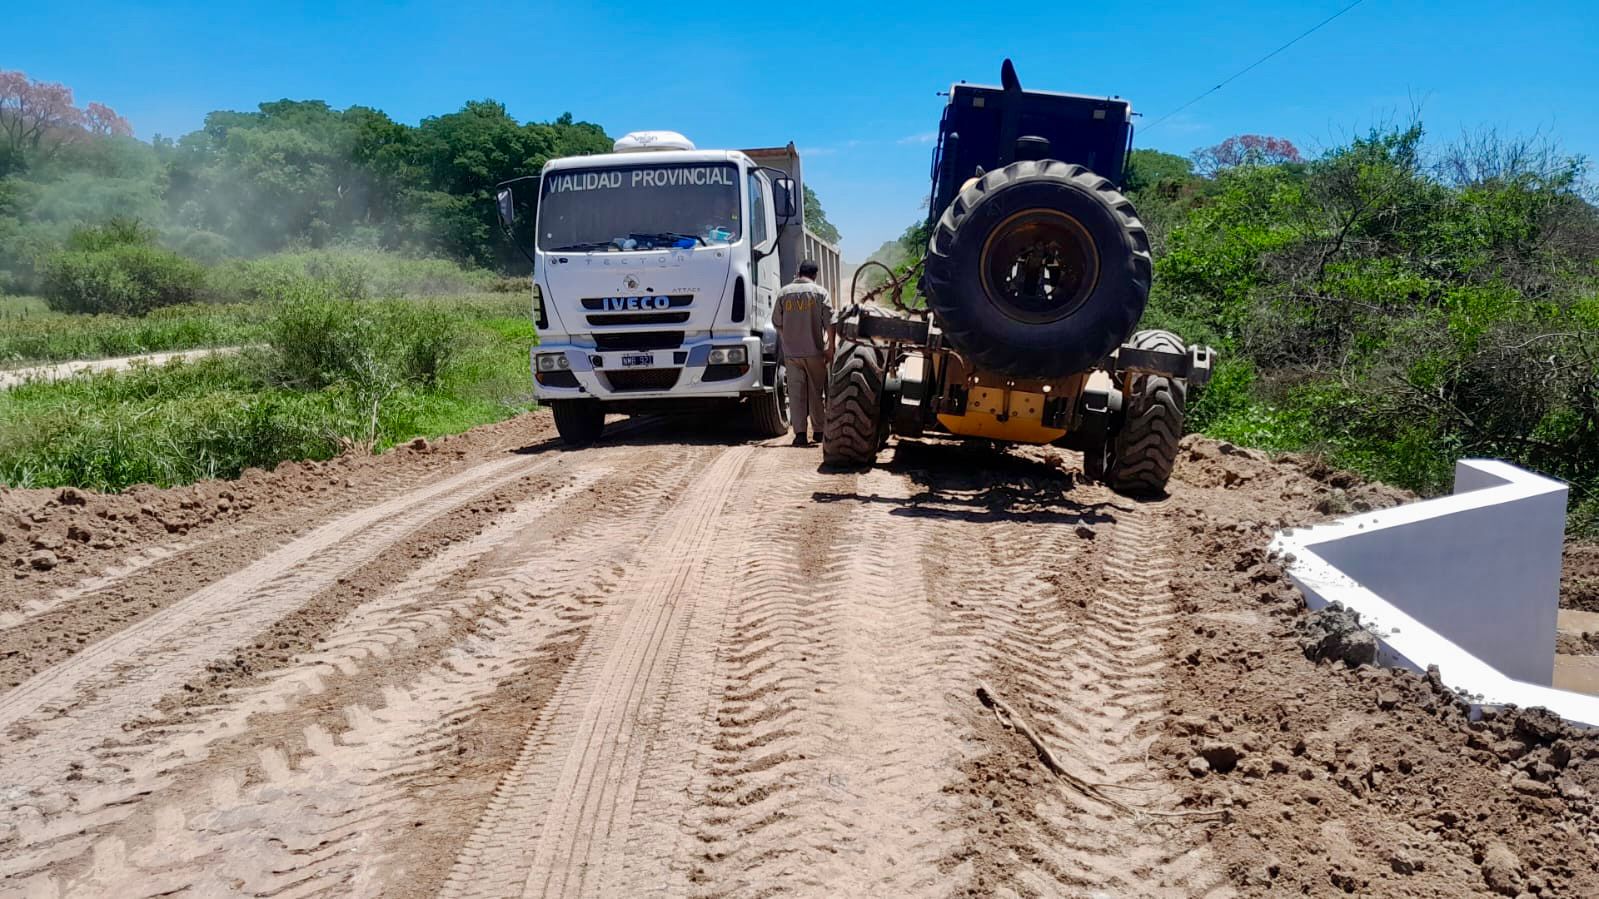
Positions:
{"x": 854, "y": 422}
{"x": 1144, "y": 451}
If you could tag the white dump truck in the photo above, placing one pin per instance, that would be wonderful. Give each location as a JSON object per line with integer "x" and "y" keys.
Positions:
{"x": 655, "y": 268}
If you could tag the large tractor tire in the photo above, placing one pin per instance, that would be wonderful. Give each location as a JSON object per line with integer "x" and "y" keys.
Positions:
{"x": 579, "y": 422}
{"x": 853, "y": 426}
{"x": 1143, "y": 453}
{"x": 1039, "y": 269}
{"x": 769, "y": 411}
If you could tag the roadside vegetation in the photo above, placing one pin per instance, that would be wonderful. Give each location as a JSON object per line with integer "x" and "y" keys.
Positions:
{"x": 352, "y": 258}
{"x": 30, "y": 334}
{"x": 1394, "y": 309}
{"x": 1391, "y": 307}
{"x": 329, "y": 375}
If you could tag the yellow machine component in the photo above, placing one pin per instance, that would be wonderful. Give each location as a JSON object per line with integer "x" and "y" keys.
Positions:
{"x": 998, "y": 413}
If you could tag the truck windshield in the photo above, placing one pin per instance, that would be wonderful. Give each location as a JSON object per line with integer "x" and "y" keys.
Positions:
{"x": 645, "y": 207}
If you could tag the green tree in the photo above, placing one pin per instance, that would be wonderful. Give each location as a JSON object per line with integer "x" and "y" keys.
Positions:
{"x": 1148, "y": 168}
{"x": 816, "y": 218}
{"x": 1397, "y": 311}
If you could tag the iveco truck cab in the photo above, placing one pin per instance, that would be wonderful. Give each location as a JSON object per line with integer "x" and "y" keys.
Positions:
{"x": 655, "y": 269}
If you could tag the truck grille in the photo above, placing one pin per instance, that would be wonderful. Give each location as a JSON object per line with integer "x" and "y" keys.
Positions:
{"x": 643, "y": 379}
{"x": 639, "y": 310}
{"x": 640, "y": 318}
{"x": 640, "y": 340}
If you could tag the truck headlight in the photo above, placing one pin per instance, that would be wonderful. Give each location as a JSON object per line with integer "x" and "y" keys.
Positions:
{"x": 733, "y": 355}
{"x": 553, "y": 361}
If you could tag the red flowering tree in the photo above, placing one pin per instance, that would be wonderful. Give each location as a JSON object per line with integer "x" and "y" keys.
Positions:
{"x": 37, "y": 117}
{"x": 1245, "y": 149}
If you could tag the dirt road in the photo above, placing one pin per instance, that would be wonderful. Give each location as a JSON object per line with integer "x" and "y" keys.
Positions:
{"x": 13, "y": 377}
{"x": 666, "y": 665}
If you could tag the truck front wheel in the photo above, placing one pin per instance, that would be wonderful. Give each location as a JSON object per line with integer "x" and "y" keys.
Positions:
{"x": 769, "y": 411}
{"x": 854, "y": 420}
{"x": 579, "y": 422}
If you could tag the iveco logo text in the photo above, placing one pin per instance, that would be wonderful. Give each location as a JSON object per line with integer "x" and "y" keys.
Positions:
{"x": 618, "y": 304}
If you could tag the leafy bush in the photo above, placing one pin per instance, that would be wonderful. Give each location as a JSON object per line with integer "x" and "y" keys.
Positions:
{"x": 116, "y": 268}
{"x": 1397, "y": 312}
{"x": 115, "y": 232}
{"x": 426, "y": 341}
{"x": 318, "y": 341}
{"x": 370, "y": 351}
{"x": 205, "y": 247}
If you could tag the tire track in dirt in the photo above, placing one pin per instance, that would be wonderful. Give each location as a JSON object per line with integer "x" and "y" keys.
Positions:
{"x": 558, "y": 821}
{"x": 832, "y": 744}
{"x": 119, "y": 593}
{"x": 738, "y": 678}
{"x": 984, "y": 574}
{"x": 1081, "y": 658}
{"x": 126, "y": 674}
{"x": 122, "y": 773}
{"x": 661, "y": 840}
{"x": 370, "y": 766}
{"x": 132, "y": 575}
{"x": 321, "y": 824}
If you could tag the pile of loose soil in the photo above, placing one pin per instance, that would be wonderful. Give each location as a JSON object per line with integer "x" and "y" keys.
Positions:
{"x": 1585, "y": 643}
{"x": 1579, "y": 577}
{"x": 55, "y": 537}
{"x": 1337, "y": 777}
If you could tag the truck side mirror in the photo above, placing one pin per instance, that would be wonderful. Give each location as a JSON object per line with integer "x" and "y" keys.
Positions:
{"x": 783, "y": 201}
{"x": 507, "y": 208}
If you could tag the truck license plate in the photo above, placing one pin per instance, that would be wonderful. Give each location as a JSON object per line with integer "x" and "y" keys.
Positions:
{"x": 638, "y": 359}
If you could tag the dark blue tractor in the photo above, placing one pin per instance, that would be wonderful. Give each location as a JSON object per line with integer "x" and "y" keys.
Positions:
{"x": 1036, "y": 274}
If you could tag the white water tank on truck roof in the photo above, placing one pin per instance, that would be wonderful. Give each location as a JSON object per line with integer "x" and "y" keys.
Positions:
{"x": 644, "y": 141}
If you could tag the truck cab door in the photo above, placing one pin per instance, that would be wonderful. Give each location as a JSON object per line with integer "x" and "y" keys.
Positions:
{"x": 766, "y": 271}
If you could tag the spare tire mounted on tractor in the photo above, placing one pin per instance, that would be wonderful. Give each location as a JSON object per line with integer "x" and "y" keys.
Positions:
{"x": 1039, "y": 269}
{"x": 1035, "y": 277}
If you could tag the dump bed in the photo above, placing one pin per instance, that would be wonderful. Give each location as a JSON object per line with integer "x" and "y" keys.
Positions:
{"x": 796, "y": 244}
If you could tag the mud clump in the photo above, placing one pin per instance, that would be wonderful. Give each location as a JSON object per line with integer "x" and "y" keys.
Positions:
{"x": 1220, "y": 756}
{"x": 1335, "y": 634}
{"x": 1501, "y": 870}
{"x": 1583, "y": 644}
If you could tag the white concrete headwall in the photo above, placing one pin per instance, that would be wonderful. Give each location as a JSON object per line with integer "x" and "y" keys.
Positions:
{"x": 1481, "y": 567}
{"x": 1469, "y": 582}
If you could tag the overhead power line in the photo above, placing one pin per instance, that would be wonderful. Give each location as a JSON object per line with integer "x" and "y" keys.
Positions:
{"x": 1245, "y": 70}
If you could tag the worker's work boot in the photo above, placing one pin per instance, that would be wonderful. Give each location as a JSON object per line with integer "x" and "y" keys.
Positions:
{"x": 799, "y": 440}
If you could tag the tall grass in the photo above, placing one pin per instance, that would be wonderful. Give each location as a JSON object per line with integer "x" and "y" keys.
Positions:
{"x": 330, "y": 375}
{"x": 349, "y": 273}
{"x": 167, "y": 425}
{"x": 31, "y": 339}
{"x": 241, "y": 296}
{"x": 17, "y": 308}
{"x": 31, "y": 335}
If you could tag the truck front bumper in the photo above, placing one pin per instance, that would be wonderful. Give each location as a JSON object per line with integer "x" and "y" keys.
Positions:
{"x": 615, "y": 375}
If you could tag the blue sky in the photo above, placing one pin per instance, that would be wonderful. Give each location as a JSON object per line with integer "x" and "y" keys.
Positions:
{"x": 855, "y": 85}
